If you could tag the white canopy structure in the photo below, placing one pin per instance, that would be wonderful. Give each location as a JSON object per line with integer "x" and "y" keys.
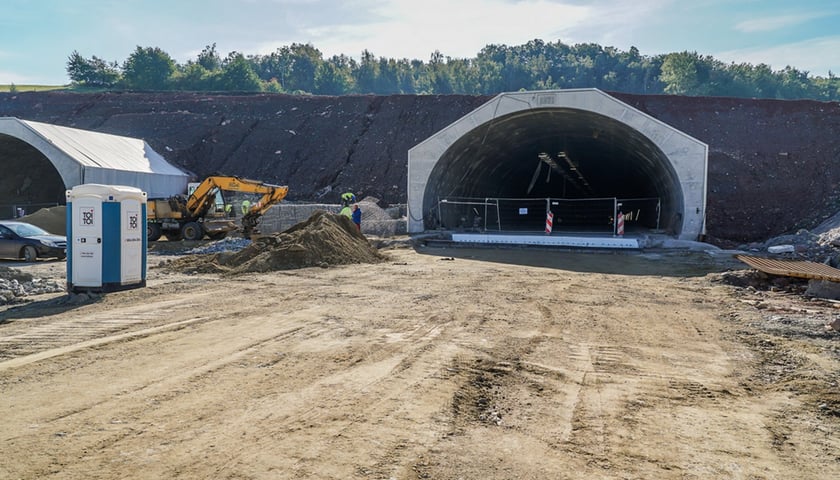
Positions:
{"x": 82, "y": 156}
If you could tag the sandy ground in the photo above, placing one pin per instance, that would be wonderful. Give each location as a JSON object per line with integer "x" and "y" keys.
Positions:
{"x": 439, "y": 364}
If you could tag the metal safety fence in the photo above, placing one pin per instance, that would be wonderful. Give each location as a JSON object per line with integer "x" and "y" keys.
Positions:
{"x": 588, "y": 215}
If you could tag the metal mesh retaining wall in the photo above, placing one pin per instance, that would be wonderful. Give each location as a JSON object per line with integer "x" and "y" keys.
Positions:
{"x": 375, "y": 220}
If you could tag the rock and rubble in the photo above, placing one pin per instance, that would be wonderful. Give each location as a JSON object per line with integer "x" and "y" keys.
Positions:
{"x": 821, "y": 245}
{"x": 18, "y": 287}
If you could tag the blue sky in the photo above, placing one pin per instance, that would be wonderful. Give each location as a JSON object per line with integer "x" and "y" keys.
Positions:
{"x": 37, "y": 36}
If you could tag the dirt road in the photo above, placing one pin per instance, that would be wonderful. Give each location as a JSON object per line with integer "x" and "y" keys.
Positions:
{"x": 429, "y": 365}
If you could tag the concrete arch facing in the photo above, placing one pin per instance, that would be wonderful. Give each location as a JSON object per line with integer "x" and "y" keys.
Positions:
{"x": 492, "y": 151}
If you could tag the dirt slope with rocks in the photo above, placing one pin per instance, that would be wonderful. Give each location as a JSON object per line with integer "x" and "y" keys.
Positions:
{"x": 771, "y": 162}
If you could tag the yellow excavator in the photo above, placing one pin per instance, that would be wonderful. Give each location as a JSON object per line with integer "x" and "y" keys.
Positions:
{"x": 206, "y": 212}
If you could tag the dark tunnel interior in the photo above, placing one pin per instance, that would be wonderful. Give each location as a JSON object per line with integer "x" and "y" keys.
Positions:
{"x": 29, "y": 180}
{"x": 500, "y": 175}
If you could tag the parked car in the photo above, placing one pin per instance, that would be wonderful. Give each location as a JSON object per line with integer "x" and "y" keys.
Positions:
{"x": 29, "y": 242}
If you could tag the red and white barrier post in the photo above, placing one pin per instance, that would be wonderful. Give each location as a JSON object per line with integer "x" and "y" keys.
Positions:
{"x": 619, "y": 228}
{"x": 549, "y": 223}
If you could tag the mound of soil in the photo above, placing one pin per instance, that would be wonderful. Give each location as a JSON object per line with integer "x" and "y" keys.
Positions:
{"x": 52, "y": 219}
{"x": 323, "y": 240}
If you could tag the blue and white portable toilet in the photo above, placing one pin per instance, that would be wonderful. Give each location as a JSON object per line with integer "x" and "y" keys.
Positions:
{"x": 106, "y": 238}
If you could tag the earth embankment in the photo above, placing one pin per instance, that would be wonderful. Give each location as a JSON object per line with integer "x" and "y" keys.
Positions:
{"x": 771, "y": 162}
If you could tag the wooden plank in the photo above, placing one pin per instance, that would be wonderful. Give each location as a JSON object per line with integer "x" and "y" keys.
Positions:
{"x": 792, "y": 268}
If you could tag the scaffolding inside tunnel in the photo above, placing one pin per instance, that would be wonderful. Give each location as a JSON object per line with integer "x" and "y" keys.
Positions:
{"x": 528, "y": 215}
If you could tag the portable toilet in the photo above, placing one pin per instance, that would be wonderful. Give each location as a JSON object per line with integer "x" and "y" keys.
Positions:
{"x": 106, "y": 238}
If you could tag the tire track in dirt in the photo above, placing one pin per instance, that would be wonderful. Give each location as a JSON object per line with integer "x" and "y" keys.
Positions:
{"x": 65, "y": 337}
{"x": 138, "y": 309}
{"x": 385, "y": 388}
{"x": 327, "y": 393}
{"x": 157, "y": 391}
{"x": 501, "y": 395}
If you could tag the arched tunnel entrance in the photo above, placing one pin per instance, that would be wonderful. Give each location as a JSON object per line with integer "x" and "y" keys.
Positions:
{"x": 29, "y": 179}
{"x": 580, "y": 154}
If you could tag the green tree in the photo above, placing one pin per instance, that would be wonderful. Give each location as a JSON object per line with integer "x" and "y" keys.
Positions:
{"x": 488, "y": 64}
{"x": 270, "y": 67}
{"x": 94, "y": 72}
{"x": 335, "y": 76}
{"x": 300, "y": 68}
{"x": 367, "y": 74}
{"x": 237, "y": 75}
{"x": 201, "y": 74}
{"x": 194, "y": 77}
{"x": 828, "y": 89}
{"x": 685, "y": 73}
{"x": 305, "y": 60}
{"x": 440, "y": 78}
{"x": 388, "y": 82}
{"x": 406, "y": 77}
{"x": 794, "y": 83}
{"x": 148, "y": 69}
{"x": 464, "y": 75}
{"x": 209, "y": 59}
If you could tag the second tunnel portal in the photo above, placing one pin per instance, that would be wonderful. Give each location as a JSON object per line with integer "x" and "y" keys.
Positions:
{"x": 580, "y": 154}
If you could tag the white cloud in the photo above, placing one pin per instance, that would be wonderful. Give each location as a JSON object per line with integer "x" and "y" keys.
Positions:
{"x": 813, "y": 56}
{"x": 414, "y": 29}
{"x": 399, "y": 29}
{"x": 12, "y": 77}
{"x": 617, "y": 22}
{"x": 768, "y": 24}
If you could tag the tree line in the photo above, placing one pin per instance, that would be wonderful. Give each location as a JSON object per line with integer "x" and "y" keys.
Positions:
{"x": 536, "y": 65}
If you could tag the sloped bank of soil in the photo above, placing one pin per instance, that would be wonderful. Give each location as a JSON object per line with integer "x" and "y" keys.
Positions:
{"x": 323, "y": 240}
{"x": 771, "y": 166}
{"x": 51, "y": 219}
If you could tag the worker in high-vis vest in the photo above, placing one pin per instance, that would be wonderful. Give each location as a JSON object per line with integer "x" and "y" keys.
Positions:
{"x": 346, "y": 211}
{"x": 246, "y": 206}
{"x": 347, "y": 199}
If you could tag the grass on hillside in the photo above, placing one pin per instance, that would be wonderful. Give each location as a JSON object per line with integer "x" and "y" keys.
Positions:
{"x": 32, "y": 88}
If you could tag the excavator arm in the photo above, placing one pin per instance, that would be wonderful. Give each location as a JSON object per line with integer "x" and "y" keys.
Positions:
{"x": 203, "y": 197}
{"x": 270, "y": 197}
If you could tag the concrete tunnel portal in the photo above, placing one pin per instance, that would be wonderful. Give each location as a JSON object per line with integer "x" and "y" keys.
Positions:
{"x": 577, "y": 153}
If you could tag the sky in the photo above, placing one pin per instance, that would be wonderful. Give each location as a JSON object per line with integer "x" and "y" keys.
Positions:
{"x": 38, "y": 36}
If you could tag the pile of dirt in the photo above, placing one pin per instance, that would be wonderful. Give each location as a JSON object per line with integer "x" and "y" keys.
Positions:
{"x": 323, "y": 240}
{"x": 52, "y": 219}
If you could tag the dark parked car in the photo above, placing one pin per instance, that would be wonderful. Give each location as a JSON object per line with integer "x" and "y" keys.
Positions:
{"x": 29, "y": 242}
